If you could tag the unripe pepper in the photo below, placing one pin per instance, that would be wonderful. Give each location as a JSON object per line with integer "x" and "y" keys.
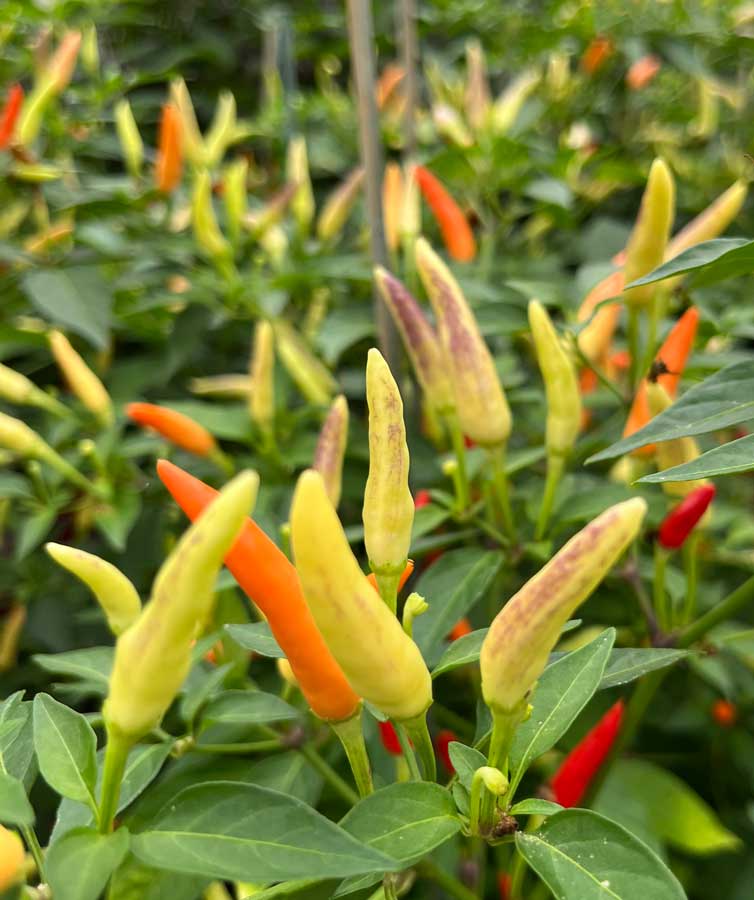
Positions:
{"x": 262, "y": 372}
{"x": 454, "y": 227}
{"x": 646, "y": 246}
{"x": 206, "y": 230}
{"x": 235, "y": 176}
{"x": 192, "y": 142}
{"x": 222, "y": 131}
{"x": 12, "y": 855}
{"x": 410, "y": 225}
{"x": 153, "y": 656}
{"x": 297, "y": 171}
{"x": 270, "y": 581}
{"x": 90, "y": 50}
{"x": 9, "y": 115}
{"x": 169, "y": 166}
{"x": 17, "y": 388}
{"x": 381, "y": 662}
{"x": 450, "y": 125}
{"x": 176, "y": 427}
{"x": 420, "y": 340}
{"x": 80, "y": 378}
{"x": 509, "y": 103}
{"x": 683, "y": 518}
{"x": 338, "y": 206}
{"x": 479, "y": 398}
{"x": 388, "y": 512}
{"x": 675, "y": 452}
{"x": 331, "y": 448}
{"x": 523, "y": 633}
{"x": 392, "y": 204}
{"x": 577, "y": 771}
{"x": 114, "y": 592}
{"x": 477, "y": 93}
{"x": 312, "y": 378}
{"x": 131, "y": 144}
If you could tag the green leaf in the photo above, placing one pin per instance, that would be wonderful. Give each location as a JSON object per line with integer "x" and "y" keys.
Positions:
{"x": 736, "y": 456}
{"x": 15, "y": 808}
{"x": 247, "y": 708}
{"x": 583, "y": 856}
{"x": 629, "y": 663}
{"x": 561, "y": 693}
{"x": 76, "y": 298}
{"x": 66, "y": 749}
{"x": 535, "y": 807}
{"x": 79, "y": 865}
{"x": 256, "y": 637}
{"x": 243, "y": 832}
{"x": 466, "y": 760}
{"x": 671, "y": 809}
{"x": 725, "y": 398}
{"x": 451, "y": 587}
{"x": 92, "y": 665}
{"x": 17, "y": 742}
{"x": 713, "y": 261}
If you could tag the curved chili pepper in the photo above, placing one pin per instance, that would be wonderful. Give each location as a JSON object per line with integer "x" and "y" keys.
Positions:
{"x": 179, "y": 429}
{"x": 10, "y": 113}
{"x": 268, "y": 578}
{"x": 571, "y": 782}
{"x": 456, "y": 231}
{"x": 169, "y": 151}
{"x": 683, "y": 518}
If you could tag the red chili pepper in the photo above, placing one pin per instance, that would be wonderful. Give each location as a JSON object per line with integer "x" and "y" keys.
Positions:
{"x": 504, "y": 882}
{"x": 10, "y": 113}
{"x": 423, "y": 498}
{"x": 442, "y": 740}
{"x": 460, "y": 629}
{"x": 572, "y": 780}
{"x": 725, "y": 713}
{"x": 456, "y": 231}
{"x": 389, "y": 738}
{"x": 681, "y": 520}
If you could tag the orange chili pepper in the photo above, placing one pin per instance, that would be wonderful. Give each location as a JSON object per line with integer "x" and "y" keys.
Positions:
{"x": 10, "y": 114}
{"x": 405, "y": 575}
{"x": 392, "y": 75}
{"x": 642, "y": 72}
{"x": 670, "y": 363}
{"x": 460, "y": 629}
{"x": 269, "y": 579}
{"x": 181, "y": 430}
{"x": 456, "y": 231}
{"x": 596, "y": 54}
{"x": 169, "y": 152}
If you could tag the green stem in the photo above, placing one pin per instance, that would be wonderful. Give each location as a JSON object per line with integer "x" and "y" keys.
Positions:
{"x": 418, "y": 732}
{"x": 555, "y": 466}
{"x": 238, "y": 749}
{"x": 346, "y": 792}
{"x": 503, "y": 728}
{"x": 388, "y": 579}
{"x": 463, "y": 490}
{"x": 634, "y": 343}
{"x": 691, "y": 563}
{"x": 408, "y": 753}
{"x": 116, "y": 754}
{"x": 659, "y": 593}
{"x": 500, "y": 485}
{"x": 447, "y": 882}
{"x": 32, "y": 842}
{"x": 726, "y": 609}
{"x": 351, "y": 736}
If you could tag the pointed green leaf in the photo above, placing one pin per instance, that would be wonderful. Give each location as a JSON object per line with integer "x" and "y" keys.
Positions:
{"x": 256, "y": 637}
{"x": 629, "y": 663}
{"x": 247, "y": 708}
{"x": 733, "y": 457}
{"x": 711, "y": 261}
{"x": 79, "y": 865}
{"x": 15, "y": 808}
{"x": 66, "y": 749}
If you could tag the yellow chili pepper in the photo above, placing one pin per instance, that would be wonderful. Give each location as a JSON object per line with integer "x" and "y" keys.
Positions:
{"x": 206, "y": 230}
{"x": 477, "y": 95}
{"x": 80, "y": 378}
{"x": 12, "y": 855}
{"x": 392, "y": 203}
{"x": 17, "y": 388}
{"x": 131, "y": 143}
{"x": 262, "y": 372}
{"x": 297, "y": 171}
{"x": 508, "y": 105}
{"x": 450, "y": 125}
{"x": 331, "y": 448}
{"x": 90, "y": 49}
{"x": 675, "y": 452}
{"x": 191, "y": 138}
{"x": 312, "y": 378}
{"x": 222, "y": 131}
{"x": 234, "y": 195}
{"x": 380, "y": 661}
{"x": 114, "y": 592}
{"x": 338, "y": 206}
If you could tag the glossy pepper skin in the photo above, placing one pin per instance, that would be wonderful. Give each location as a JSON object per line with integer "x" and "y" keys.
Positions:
{"x": 176, "y": 427}
{"x": 683, "y": 518}
{"x": 454, "y": 226}
{"x": 153, "y": 656}
{"x": 380, "y": 660}
{"x": 9, "y": 115}
{"x": 267, "y": 577}
{"x": 523, "y": 633}
{"x": 571, "y": 782}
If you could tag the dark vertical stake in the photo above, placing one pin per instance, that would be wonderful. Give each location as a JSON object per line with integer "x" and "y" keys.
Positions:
{"x": 361, "y": 40}
{"x": 410, "y": 53}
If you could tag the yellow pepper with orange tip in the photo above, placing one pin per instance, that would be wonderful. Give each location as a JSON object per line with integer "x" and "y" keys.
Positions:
{"x": 12, "y": 855}
{"x": 153, "y": 655}
{"x": 115, "y": 593}
{"x": 80, "y": 378}
{"x": 380, "y": 661}
{"x": 646, "y": 246}
{"x": 388, "y": 512}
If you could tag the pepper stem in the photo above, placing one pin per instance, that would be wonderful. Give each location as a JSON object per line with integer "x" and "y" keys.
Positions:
{"x": 500, "y": 489}
{"x": 691, "y": 563}
{"x": 116, "y": 754}
{"x": 555, "y": 466}
{"x": 388, "y": 579}
{"x": 461, "y": 477}
{"x": 351, "y": 736}
{"x": 660, "y": 596}
{"x": 418, "y": 732}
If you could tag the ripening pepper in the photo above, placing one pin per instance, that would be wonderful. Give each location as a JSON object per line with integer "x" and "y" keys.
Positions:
{"x": 270, "y": 581}
{"x": 454, "y": 227}
{"x": 477, "y": 93}
{"x": 388, "y": 512}
{"x": 262, "y": 373}
{"x": 387, "y": 84}
{"x": 192, "y": 142}
{"x": 311, "y": 376}
{"x": 17, "y": 388}
{"x": 561, "y": 385}
{"x": 12, "y": 855}
{"x": 379, "y": 659}
{"x": 599, "y": 50}
{"x": 9, "y": 115}
{"x": 508, "y": 105}
{"x": 131, "y": 144}
{"x": 169, "y": 166}
{"x": 675, "y": 452}
{"x": 642, "y": 72}
{"x": 90, "y": 49}
{"x": 153, "y": 656}
{"x": 114, "y": 592}
{"x": 63, "y": 61}
{"x": 331, "y": 448}
{"x": 222, "y": 130}
{"x": 392, "y": 203}
{"x": 683, "y": 518}
{"x": 297, "y": 172}
{"x": 420, "y": 340}
{"x": 235, "y": 176}
{"x": 175, "y": 427}
{"x": 480, "y": 402}
{"x": 206, "y": 230}
{"x": 649, "y": 239}
{"x": 577, "y": 771}
{"x": 523, "y": 633}
{"x": 80, "y": 378}
{"x": 338, "y": 206}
